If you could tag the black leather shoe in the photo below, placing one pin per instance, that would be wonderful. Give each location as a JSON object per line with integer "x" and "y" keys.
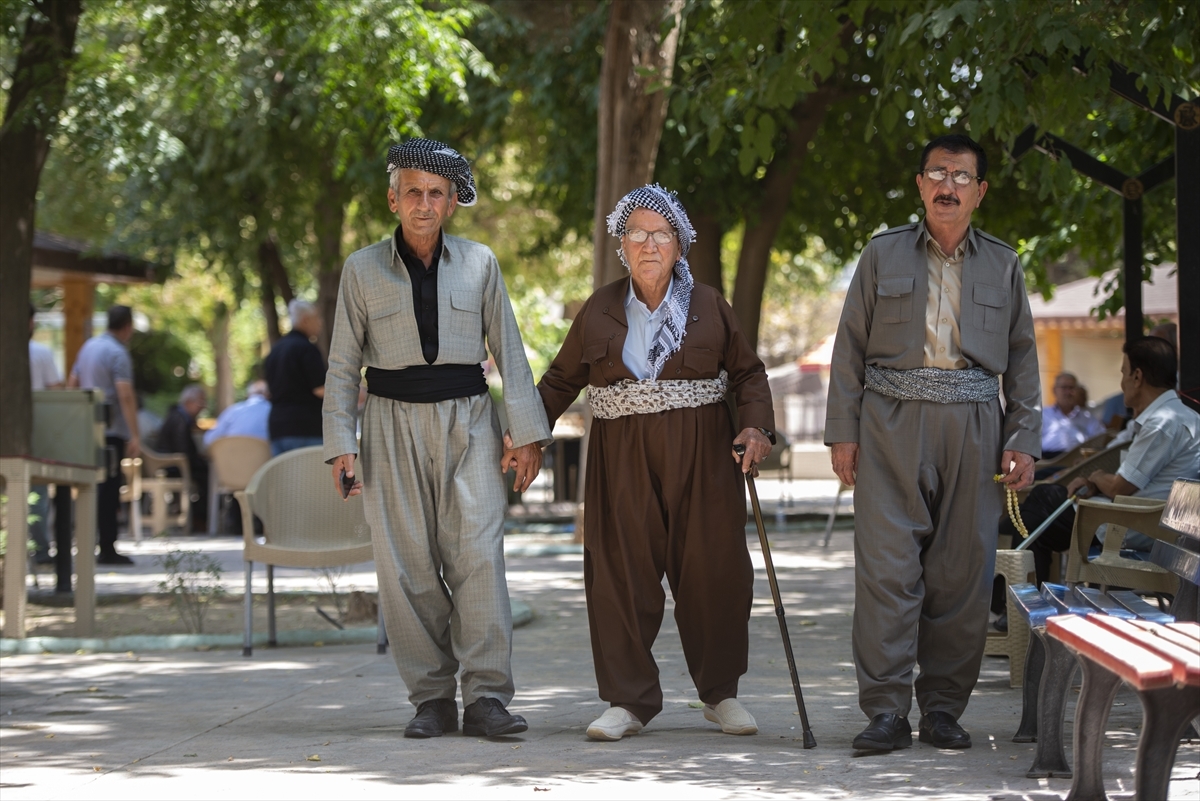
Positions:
{"x": 1001, "y": 623}
{"x": 487, "y": 717}
{"x": 887, "y": 732}
{"x": 941, "y": 730}
{"x": 113, "y": 558}
{"x": 433, "y": 719}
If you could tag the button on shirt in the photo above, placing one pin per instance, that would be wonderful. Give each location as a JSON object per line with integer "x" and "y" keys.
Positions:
{"x": 644, "y": 326}
{"x": 1166, "y": 446}
{"x": 943, "y": 344}
{"x": 1062, "y": 432}
{"x": 425, "y": 293}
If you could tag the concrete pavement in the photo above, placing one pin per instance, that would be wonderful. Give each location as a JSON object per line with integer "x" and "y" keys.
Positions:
{"x": 326, "y": 722}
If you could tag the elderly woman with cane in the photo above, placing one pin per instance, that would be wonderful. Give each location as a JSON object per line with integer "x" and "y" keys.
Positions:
{"x": 658, "y": 353}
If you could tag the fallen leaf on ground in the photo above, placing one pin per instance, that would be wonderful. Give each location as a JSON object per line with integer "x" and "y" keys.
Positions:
{"x": 189, "y": 755}
{"x": 325, "y": 743}
{"x": 515, "y": 747}
{"x": 314, "y": 758}
{"x": 97, "y": 768}
{"x": 93, "y": 689}
{"x": 229, "y": 759}
{"x": 696, "y": 704}
{"x": 49, "y": 736}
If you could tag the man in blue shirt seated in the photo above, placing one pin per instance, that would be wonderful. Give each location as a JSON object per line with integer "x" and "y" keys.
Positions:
{"x": 1066, "y": 424}
{"x": 1164, "y": 446}
{"x": 246, "y": 418}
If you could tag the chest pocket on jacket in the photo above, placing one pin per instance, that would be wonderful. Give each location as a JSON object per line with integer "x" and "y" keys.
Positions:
{"x": 991, "y": 307}
{"x": 595, "y": 354}
{"x": 465, "y": 318}
{"x": 386, "y": 321}
{"x": 894, "y": 302}
{"x": 699, "y": 363}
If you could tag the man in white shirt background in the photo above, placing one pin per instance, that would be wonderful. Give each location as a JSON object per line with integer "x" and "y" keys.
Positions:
{"x": 1066, "y": 424}
{"x": 43, "y": 374}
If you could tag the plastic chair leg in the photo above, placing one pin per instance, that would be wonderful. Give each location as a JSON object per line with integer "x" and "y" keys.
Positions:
{"x": 248, "y": 627}
{"x": 271, "y": 641}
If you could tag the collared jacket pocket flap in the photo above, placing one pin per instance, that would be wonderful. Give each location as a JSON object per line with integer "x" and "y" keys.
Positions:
{"x": 701, "y": 360}
{"x": 594, "y": 351}
{"x": 994, "y": 296}
{"x": 895, "y": 286}
{"x": 386, "y": 306}
{"x": 466, "y": 300}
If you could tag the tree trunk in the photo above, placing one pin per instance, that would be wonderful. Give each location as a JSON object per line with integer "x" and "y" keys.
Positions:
{"x": 705, "y": 255}
{"x": 330, "y": 218}
{"x": 275, "y": 283}
{"x": 35, "y": 97}
{"x": 218, "y": 338}
{"x": 763, "y": 219}
{"x": 630, "y": 117}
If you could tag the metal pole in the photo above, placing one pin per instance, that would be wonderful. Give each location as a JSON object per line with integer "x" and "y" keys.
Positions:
{"x": 1134, "y": 327}
{"x": 809, "y": 740}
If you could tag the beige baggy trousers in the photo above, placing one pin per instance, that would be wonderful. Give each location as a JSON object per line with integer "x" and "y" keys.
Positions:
{"x": 435, "y": 500}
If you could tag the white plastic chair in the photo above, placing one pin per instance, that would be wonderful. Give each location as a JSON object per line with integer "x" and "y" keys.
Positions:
{"x": 305, "y": 524}
{"x": 162, "y": 488}
{"x": 235, "y": 460}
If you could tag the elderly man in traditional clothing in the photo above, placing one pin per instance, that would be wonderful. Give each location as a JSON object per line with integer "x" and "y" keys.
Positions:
{"x": 935, "y": 316}
{"x": 417, "y": 310}
{"x": 658, "y": 353}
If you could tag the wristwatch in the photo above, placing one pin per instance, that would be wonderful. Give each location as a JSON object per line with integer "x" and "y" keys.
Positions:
{"x": 768, "y": 434}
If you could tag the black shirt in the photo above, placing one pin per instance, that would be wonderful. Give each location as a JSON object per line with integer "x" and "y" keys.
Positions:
{"x": 293, "y": 369}
{"x": 425, "y": 293}
{"x": 176, "y": 435}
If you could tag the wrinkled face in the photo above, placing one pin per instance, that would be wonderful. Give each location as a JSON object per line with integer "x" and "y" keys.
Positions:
{"x": 946, "y": 203}
{"x": 1066, "y": 393}
{"x": 423, "y": 203}
{"x": 650, "y": 264}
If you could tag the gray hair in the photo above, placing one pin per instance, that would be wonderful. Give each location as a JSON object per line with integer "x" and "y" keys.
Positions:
{"x": 192, "y": 392}
{"x": 299, "y": 309}
{"x": 257, "y": 387}
{"x": 394, "y": 183}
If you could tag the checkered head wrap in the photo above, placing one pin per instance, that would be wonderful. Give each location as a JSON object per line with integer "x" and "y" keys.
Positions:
{"x": 429, "y": 155}
{"x": 661, "y": 201}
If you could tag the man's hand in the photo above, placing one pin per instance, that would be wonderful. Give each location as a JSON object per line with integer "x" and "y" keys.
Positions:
{"x": 844, "y": 456}
{"x": 757, "y": 449}
{"x": 1077, "y": 483}
{"x": 1016, "y": 469}
{"x": 525, "y": 460}
{"x": 345, "y": 462}
{"x": 133, "y": 447}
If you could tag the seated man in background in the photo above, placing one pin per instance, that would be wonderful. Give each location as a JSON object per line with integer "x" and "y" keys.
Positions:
{"x": 177, "y": 435}
{"x": 1164, "y": 446}
{"x": 246, "y": 418}
{"x": 1067, "y": 423}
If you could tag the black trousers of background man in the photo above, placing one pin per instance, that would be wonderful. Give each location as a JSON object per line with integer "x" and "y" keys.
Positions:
{"x": 108, "y": 498}
{"x": 1039, "y": 505}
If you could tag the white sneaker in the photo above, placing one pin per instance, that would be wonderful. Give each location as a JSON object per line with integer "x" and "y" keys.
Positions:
{"x": 615, "y": 723}
{"x": 731, "y": 716}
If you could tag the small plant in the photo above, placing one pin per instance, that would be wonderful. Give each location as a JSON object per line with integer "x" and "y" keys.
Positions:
{"x": 193, "y": 581}
{"x": 332, "y": 577}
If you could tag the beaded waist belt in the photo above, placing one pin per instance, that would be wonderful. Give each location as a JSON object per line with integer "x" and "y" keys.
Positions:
{"x": 647, "y": 397}
{"x": 972, "y": 385}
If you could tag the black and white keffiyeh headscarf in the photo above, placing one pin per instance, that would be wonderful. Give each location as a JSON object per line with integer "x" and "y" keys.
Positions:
{"x": 659, "y": 200}
{"x": 429, "y": 155}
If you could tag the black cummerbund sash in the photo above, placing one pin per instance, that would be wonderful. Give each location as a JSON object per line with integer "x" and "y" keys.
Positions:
{"x": 427, "y": 383}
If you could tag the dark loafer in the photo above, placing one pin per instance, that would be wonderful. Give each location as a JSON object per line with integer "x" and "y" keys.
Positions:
{"x": 487, "y": 717}
{"x": 433, "y": 719}
{"x": 941, "y": 730}
{"x": 887, "y": 732}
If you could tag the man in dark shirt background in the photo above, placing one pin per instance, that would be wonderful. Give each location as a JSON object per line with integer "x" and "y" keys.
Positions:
{"x": 295, "y": 373}
{"x": 178, "y": 435}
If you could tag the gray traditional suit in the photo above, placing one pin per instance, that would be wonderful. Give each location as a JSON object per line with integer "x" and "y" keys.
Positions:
{"x": 434, "y": 496}
{"x": 926, "y": 506}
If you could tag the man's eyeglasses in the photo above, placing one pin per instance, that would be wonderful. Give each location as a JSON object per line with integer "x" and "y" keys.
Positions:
{"x": 639, "y": 236}
{"x": 960, "y": 177}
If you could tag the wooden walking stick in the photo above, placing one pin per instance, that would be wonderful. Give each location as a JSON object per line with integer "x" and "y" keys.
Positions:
{"x": 809, "y": 740}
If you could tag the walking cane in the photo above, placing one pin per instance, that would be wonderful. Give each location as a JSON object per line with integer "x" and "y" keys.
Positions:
{"x": 1080, "y": 492}
{"x": 809, "y": 740}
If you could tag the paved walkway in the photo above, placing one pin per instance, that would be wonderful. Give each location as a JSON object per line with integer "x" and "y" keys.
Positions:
{"x": 303, "y": 723}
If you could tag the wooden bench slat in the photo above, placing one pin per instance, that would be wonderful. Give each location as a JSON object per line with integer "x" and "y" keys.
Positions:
{"x": 1136, "y": 665}
{"x": 1184, "y": 661}
{"x": 1136, "y": 604}
{"x": 1190, "y": 629}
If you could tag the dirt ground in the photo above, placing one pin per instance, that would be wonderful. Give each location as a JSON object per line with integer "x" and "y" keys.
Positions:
{"x": 154, "y": 614}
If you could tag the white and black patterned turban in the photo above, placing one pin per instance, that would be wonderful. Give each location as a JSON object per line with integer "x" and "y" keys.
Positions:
{"x": 657, "y": 199}
{"x": 429, "y": 155}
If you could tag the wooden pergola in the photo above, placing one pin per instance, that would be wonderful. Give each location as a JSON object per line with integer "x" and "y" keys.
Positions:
{"x": 59, "y": 261}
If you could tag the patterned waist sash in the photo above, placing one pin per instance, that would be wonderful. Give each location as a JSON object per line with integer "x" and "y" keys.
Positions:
{"x": 647, "y": 397}
{"x": 972, "y": 385}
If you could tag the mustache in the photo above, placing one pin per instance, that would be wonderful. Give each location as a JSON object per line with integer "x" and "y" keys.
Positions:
{"x": 947, "y": 199}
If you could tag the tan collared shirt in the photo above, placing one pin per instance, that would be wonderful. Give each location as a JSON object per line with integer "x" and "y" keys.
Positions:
{"x": 943, "y": 343}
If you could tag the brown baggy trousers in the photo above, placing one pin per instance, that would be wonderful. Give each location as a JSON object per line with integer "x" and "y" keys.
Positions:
{"x": 664, "y": 496}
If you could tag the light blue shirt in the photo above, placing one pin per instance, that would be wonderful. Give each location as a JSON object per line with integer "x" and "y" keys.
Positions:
{"x": 644, "y": 326}
{"x": 245, "y": 419}
{"x": 1062, "y": 432}
{"x": 1166, "y": 446}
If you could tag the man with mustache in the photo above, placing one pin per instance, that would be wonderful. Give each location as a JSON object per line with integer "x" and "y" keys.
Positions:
{"x": 935, "y": 318}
